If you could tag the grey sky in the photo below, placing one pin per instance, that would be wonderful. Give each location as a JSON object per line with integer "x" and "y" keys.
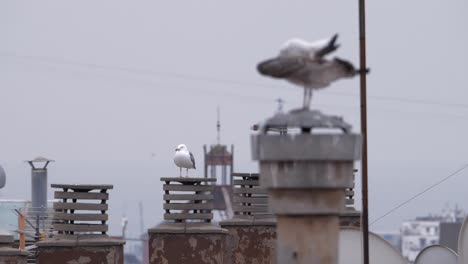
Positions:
{"x": 101, "y": 124}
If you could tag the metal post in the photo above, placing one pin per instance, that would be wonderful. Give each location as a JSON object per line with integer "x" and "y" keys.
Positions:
{"x": 206, "y": 163}
{"x": 21, "y": 225}
{"x": 365, "y": 205}
{"x": 232, "y": 165}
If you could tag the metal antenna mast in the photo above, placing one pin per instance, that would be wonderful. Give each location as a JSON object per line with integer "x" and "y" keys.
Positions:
{"x": 365, "y": 205}
{"x": 218, "y": 127}
{"x": 142, "y": 226}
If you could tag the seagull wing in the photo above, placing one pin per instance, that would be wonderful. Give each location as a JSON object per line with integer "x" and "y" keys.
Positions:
{"x": 281, "y": 67}
{"x": 337, "y": 69}
{"x": 192, "y": 159}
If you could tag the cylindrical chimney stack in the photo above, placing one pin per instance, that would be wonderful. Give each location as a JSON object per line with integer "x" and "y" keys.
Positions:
{"x": 39, "y": 182}
{"x": 306, "y": 175}
{"x": 2, "y": 177}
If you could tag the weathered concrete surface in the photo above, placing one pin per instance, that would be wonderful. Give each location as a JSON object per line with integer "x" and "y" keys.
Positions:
{"x": 351, "y": 218}
{"x": 13, "y": 259}
{"x": 81, "y": 251}
{"x": 250, "y": 241}
{"x": 307, "y": 202}
{"x": 8, "y": 254}
{"x": 306, "y": 147}
{"x": 306, "y": 176}
{"x": 6, "y": 240}
{"x": 304, "y": 239}
{"x": 191, "y": 243}
{"x": 302, "y": 174}
{"x": 13, "y": 256}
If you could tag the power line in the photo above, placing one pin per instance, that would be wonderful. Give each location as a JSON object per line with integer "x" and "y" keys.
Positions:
{"x": 271, "y": 99}
{"x": 420, "y": 193}
{"x": 265, "y": 99}
{"x": 184, "y": 76}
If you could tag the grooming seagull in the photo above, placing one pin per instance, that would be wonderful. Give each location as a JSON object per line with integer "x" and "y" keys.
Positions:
{"x": 303, "y": 63}
{"x": 184, "y": 158}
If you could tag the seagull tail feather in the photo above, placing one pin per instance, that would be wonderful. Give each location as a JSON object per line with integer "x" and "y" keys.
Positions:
{"x": 330, "y": 47}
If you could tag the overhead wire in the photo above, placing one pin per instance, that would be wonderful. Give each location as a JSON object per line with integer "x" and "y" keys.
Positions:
{"x": 245, "y": 83}
{"x": 219, "y": 92}
{"x": 420, "y": 193}
{"x": 184, "y": 76}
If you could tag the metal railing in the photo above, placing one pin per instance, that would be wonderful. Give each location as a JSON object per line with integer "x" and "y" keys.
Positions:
{"x": 34, "y": 224}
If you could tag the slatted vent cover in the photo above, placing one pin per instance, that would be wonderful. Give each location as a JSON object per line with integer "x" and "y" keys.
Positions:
{"x": 188, "y": 199}
{"x": 82, "y": 209}
{"x": 249, "y": 198}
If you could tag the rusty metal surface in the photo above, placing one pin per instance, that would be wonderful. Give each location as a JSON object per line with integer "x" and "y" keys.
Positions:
{"x": 81, "y": 255}
{"x": 308, "y": 240}
{"x": 191, "y": 248}
{"x": 250, "y": 243}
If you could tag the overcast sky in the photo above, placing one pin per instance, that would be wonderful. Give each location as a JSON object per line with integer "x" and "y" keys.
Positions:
{"x": 101, "y": 85}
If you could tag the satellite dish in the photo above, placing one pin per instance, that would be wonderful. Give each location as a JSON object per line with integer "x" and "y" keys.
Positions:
{"x": 436, "y": 254}
{"x": 380, "y": 251}
{"x": 463, "y": 243}
{"x": 2, "y": 178}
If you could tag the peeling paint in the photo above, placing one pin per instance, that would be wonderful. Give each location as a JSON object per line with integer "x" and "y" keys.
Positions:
{"x": 80, "y": 255}
{"x": 251, "y": 244}
{"x": 13, "y": 259}
{"x": 187, "y": 248}
{"x": 193, "y": 243}
{"x": 81, "y": 260}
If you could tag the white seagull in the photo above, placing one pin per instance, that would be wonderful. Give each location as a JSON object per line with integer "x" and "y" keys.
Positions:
{"x": 303, "y": 63}
{"x": 184, "y": 158}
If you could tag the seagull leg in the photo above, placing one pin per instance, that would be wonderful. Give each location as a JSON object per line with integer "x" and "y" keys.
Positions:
{"x": 187, "y": 172}
{"x": 304, "y": 102}
{"x": 180, "y": 174}
{"x": 309, "y": 98}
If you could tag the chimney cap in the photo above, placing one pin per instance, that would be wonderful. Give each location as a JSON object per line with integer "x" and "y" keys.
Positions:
{"x": 39, "y": 159}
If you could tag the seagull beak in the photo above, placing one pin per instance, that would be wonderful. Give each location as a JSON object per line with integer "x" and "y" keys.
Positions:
{"x": 176, "y": 149}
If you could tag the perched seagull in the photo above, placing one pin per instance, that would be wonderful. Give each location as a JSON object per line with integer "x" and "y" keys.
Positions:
{"x": 303, "y": 63}
{"x": 184, "y": 158}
